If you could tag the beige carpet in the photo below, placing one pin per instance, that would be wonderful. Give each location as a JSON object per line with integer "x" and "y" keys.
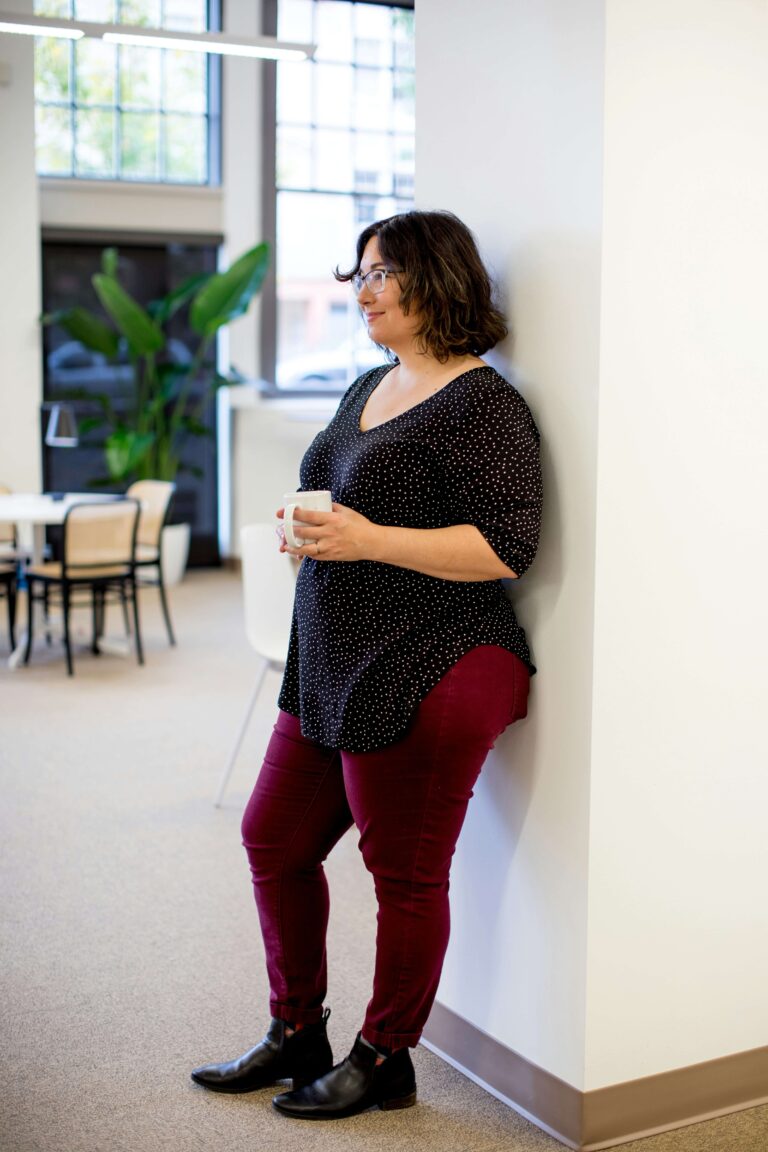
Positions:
{"x": 130, "y": 949}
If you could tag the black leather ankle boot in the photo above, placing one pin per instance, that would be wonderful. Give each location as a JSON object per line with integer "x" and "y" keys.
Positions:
{"x": 354, "y": 1085}
{"x": 301, "y": 1056}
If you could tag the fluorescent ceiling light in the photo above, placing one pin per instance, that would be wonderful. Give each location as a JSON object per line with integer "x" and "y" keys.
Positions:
{"x": 219, "y": 47}
{"x": 220, "y": 44}
{"x": 41, "y": 29}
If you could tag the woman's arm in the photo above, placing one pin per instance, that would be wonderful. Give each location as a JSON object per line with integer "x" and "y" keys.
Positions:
{"x": 456, "y": 553}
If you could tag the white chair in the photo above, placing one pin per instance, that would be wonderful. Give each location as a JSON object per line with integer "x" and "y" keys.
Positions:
{"x": 269, "y": 580}
{"x": 154, "y": 497}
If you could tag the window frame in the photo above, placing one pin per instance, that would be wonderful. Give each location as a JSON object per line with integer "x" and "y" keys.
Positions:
{"x": 212, "y": 117}
{"x": 268, "y": 320}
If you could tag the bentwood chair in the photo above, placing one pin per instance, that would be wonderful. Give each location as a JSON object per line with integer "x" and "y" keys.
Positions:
{"x": 98, "y": 546}
{"x": 269, "y": 579}
{"x": 154, "y": 498}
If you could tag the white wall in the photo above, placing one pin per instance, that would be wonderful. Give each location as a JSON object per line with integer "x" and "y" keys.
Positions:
{"x": 609, "y": 893}
{"x": 21, "y": 368}
{"x": 678, "y": 928}
{"x": 106, "y": 205}
{"x": 509, "y": 136}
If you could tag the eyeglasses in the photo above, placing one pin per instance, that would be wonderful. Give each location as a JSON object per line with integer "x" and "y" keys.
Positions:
{"x": 374, "y": 280}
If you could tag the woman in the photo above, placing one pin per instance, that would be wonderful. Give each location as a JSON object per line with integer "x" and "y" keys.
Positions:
{"x": 405, "y": 664}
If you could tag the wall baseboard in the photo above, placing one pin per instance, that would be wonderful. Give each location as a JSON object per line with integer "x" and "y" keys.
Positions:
{"x": 588, "y": 1121}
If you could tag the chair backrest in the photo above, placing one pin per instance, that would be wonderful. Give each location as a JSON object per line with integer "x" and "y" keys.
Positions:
{"x": 154, "y": 497}
{"x": 7, "y": 531}
{"x": 269, "y": 580}
{"x": 100, "y": 534}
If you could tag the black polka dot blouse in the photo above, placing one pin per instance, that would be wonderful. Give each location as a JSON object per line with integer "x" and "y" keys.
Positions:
{"x": 370, "y": 640}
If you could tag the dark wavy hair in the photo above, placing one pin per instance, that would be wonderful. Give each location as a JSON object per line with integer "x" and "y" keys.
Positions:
{"x": 443, "y": 280}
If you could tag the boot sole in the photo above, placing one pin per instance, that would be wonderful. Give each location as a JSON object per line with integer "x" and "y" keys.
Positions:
{"x": 237, "y": 1090}
{"x": 398, "y": 1102}
{"x": 388, "y": 1105}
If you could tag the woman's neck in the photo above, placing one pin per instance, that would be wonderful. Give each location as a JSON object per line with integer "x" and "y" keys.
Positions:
{"x": 416, "y": 368}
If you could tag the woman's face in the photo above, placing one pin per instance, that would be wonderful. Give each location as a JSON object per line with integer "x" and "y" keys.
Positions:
{"x": 386, "y": 321}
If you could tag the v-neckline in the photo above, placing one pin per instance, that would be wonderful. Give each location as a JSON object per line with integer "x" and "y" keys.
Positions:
{"x": 406, "y": 411}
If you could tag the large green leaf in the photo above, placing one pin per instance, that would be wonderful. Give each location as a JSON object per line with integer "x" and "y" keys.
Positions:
{"x": 82, "y": 325}
{"x": 109, "y": 262}
{"x": 124, "y": 451}
{"x": 139, "y": 329}
{"x": 228, "y": 294}
{"x": 161, "y": 310}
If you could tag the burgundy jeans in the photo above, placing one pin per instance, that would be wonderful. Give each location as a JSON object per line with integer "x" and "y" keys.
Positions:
{"x": 408, "y": 801}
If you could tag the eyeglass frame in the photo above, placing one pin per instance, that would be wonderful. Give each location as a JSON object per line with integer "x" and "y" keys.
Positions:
{"x": 358, "y": 281}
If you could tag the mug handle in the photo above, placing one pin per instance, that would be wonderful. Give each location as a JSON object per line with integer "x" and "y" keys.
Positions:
{"x": 293, "y": 540}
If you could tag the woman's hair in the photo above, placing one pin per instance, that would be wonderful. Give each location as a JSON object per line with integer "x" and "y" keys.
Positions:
{"x": 442, "y": 279}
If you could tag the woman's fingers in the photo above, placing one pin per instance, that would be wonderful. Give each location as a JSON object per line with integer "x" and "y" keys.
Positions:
{"x": 310, "y": 516}
{"x": 327, "y": 535}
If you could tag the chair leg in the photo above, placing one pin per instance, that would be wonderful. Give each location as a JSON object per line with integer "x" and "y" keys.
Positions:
{"x": 67, "y": 641}
{"x": 164, "y": 603}
{"x": 46, "y": 618}
{"x": 30, "y": 617}
{"x": 102, "y": 621}
{"x": 243, "y": 730}
{"x": 95, "y": 620}
{"x": 135, "y": 598}
{"x": 124, "y": 602}
{"x": 12, "y": 615}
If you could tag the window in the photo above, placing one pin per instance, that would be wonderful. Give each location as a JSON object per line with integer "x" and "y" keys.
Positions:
{"x": 344, "y": 156}
{"x": 114, "y": 112}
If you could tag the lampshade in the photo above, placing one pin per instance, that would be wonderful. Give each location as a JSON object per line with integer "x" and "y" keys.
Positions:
{"x": 61, "y": 431}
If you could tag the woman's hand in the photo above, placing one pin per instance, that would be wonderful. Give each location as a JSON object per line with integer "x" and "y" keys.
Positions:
{"x": 341, "y": 534}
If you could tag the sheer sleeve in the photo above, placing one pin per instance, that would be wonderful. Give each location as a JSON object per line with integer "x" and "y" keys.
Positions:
{"x": 493, "y": 473}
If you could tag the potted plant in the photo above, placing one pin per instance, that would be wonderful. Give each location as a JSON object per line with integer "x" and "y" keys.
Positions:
{"x": 144, "y": 434}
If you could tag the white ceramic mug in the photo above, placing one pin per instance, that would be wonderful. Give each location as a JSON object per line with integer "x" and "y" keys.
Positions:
{"x": 317, "y": 501}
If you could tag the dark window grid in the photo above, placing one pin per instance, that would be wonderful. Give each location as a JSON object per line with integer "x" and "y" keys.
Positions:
{"x": 71, "y": 109}
{"x": 355, "y": 38}
{"x": 354, "y": 65}
{"x": 396, "y": 75}
{"x": 119, "y": 16}
{"x": 359, "y": 197}
{"x": 118, "y": 133}
{"x": 355, "y": 194}
{"x": 117, "y": 110}
{"x": 354, "y": 4}
{"x": 213, "y": 9}
{"x": 117, "y": 103}
{"x": 152, "y": 109}
{"x": 314, "y": 124}
{"x": 388, "y": 137}
{"x": 314, "y": 186}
